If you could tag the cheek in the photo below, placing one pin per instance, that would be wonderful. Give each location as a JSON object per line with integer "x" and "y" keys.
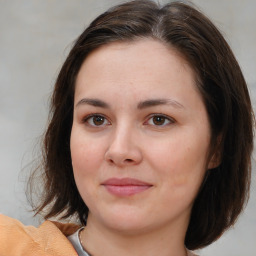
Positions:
{"x": 86, "y": 158}
{"x": 85, "y": 155}
{"x": 180, "y": 162}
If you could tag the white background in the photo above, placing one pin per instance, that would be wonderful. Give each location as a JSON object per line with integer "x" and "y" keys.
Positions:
{"x": 35, "y": 37}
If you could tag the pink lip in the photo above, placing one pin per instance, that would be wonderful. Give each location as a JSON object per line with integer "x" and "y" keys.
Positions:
{"x": 125, "y": 186}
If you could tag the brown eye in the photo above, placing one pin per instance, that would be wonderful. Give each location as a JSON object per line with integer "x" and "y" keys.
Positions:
{"x": 159, "y": 120}
{"x": 96, "y": 120}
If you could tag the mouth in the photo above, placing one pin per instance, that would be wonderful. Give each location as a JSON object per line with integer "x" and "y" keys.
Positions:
{"x": 125, "y": 186}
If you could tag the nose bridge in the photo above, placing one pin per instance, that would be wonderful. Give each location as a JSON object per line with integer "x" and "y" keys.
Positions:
{"x": 123, "y": 134}
{"x": 123, "y": 147}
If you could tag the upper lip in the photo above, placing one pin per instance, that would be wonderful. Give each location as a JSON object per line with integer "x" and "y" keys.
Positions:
{"x": 125, "y": 182}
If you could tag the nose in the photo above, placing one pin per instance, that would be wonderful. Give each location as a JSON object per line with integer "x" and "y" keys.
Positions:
{"x": 123, "y": 148}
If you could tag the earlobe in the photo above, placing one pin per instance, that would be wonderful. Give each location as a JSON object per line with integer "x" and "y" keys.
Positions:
{"x": 215, "y": 161}
{"x": 216, "y": 156}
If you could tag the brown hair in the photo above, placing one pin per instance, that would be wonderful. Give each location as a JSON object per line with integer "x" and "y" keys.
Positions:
{"x": 220, "y": 82}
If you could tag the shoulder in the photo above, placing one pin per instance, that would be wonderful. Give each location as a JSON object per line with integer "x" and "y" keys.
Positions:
{"x": 48, "y": 239}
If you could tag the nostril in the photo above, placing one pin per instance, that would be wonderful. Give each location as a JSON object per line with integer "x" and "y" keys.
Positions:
{"x": 111, "y": 161}
{"x": 128, "y": 160}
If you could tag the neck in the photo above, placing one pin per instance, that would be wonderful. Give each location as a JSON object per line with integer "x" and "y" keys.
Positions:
{"x": 164, "y": 241}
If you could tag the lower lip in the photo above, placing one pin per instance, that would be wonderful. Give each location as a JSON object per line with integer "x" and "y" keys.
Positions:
{"x": 126, "y": 190}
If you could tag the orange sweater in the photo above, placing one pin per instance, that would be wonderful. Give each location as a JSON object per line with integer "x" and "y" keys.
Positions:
{"x": 49, "y": 239}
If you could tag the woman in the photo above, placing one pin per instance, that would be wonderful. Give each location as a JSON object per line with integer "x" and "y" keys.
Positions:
{"x": 149, "y": 140}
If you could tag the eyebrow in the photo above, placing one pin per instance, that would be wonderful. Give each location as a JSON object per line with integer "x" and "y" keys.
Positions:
{"x": 141, "y": 105}
{"x": 157, "y": 102}
{"x": 93, "y": 102}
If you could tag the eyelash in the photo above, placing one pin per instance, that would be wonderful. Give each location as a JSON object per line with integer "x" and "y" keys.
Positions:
{"x": 166, "y": 118}
{"x": 90, "y": 117}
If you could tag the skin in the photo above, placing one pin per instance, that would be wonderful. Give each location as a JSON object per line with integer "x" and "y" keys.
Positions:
{"x": 164, "y": 145}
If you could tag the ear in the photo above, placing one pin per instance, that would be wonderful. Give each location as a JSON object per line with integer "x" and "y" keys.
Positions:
{"x": 215, "y": 160}
{"x": 216, "y": 156}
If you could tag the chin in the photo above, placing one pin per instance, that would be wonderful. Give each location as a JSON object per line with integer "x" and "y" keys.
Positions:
{"x": 126, "y": 221}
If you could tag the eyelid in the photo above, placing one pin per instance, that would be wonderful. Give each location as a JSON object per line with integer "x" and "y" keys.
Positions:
{"x": 170, "y": 119}
{"x": 87, "y": 117}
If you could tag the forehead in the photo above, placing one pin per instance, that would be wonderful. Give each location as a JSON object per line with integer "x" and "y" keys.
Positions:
{"x": 142, "y": 61}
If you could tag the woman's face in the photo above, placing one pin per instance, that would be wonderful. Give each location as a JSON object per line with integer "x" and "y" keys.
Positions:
{"x": 140, "y": 137}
